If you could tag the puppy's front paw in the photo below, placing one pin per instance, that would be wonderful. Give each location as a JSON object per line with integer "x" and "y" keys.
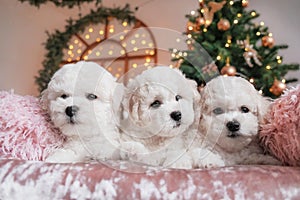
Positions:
{"x": 204, "y": 158}
{"x": 63, "y": 156}
{"x": 132, "y": 150}
{"x": 182, "y": 162}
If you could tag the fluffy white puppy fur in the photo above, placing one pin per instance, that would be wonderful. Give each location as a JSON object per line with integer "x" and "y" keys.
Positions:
{"x": 79, "y": 100}
{"x": 159, "y": 115}
{"x": 230, "y": 116}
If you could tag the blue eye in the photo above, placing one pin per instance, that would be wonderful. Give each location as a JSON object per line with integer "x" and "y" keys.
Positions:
{"x": 91, "y": 97}
{"x": 218, "y": 111}
{"x": 155, "y": 104}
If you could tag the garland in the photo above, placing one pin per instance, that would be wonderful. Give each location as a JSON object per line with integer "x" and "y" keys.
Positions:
{"x": 58, "y": 41}
{"x": 60, "y": 3}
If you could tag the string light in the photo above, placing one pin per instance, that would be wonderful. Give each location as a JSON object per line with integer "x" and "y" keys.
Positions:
{"x": 258, "y": 33}
{"x": 101, "y": 32}
{"x": 253, "y": 13}
{"x": 71, "y": 47}
{"x": 193, "y": 12}
{"x": 268, "y": 67}
{"x": 283, "y": 80}
{"x": 262, "y": 23}
{"x": 219, "y": 57}
{"x": 231, "y": 3}
{"x": 91, "y": 30}
{"x": 124, "y": 23}
{"x": 205, "y": 30}
{"x": 239, "y": 15}
{"x": 251, "y": 80}
{"x": 235, "y": 21}
{"x": 87, "y": 36}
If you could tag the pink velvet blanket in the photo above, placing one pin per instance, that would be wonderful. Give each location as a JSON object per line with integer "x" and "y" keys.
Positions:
{"x": 120, "y": 180}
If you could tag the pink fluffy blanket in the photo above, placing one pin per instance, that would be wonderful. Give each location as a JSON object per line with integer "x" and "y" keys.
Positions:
{"x": 26, "y": 131}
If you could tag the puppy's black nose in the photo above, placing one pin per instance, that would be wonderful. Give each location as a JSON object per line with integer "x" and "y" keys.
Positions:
{"x": 176, "y": 115}
{"x": 71, "y": 110}
{"x": 233, "y": 125}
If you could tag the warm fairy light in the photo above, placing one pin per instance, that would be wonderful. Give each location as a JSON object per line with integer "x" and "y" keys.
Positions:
{"x": 109, "y": 69}
{"x": 69, "y": 59}
{"x": 122, "y": 37}
{"x": 98, "y": 53}
{"x": 200, "y": 1}
{"x": 279, "y": 61}
{"x": 253, "y": 13}
{"x": 190, "y": 28}
{"x": 89, "y": 51}
{"x": 227, "y": 45}
{"x": 134, "y": 65}
{"x": 98, "y": 39}
{"x": 119, "y": 69}
{"x": 185, "y": 54}
{"x": 132, "y": 41}
{"x": 80, "y": 44}
{"x": 283, "y": 80}
{"x": 79, "y": 51}
{"x": 146, "y": 64}
{"x": 135, "y": 49}
{"x": 262, "y": 23}
{"x": 111, "y": 28}
{"x": 70, "y": 52}
{"x": 101, "y": 32}
{"x": 136, "y": 35}
{"x": 179, "y": 54}
{"x": 278, "y": 57}
{"x": 87, "y": 36}
{"x": 91, "y": 30}
{"x": 205, "y": 30}
{"x": 219, "y": 57}
{"x": 171, "y": 66}
{"x": 71, "y": 47}
{"x": 177, "y": 39}
{"x": 110, "y": 52}
{"x": 76, "y": 41}
{"x": 189, "y": 42}
{"x": 202, "y": 11}
{"x": 124, "y": 23}
{"x": 78, "y": 58}
{"x": 148, "y": 59}
{"x": 150, "y": 44}
{"x": 152, "y": 52}
{"x": 258, "y": 33}
{"x": 239, "y": 15}
{"x": 174, "y": 50}
{"x": 173, "y": 55}
{"x": 235, "y": 21}
{"x": 270, "y": 34}
{"x": 193, "y": 12}
{"x": 231, "y": 3}
{"x": 143, "y": 42}
{"x": 189, "y": 36}
{"x": 268, "y": 67}
{"x": 260, "y": 91}
{"x": 85, "y": 57}
{"x": 124, "y": 44}
{"x": 251, "y": 80}
{"x": 122, "y": 52}
{"x": 117, "y": 75}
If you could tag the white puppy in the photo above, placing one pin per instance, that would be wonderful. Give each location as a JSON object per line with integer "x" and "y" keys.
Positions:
{"x": 231, "y": 112}
{"x": 159, "y": 110}
{"x": 79, "y": 100}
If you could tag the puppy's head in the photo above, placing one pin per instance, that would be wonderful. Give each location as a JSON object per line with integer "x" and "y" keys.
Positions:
{"x": 78, "y": 97}
{"x": 160, "y": 102}
{"x": 231, "y": 112}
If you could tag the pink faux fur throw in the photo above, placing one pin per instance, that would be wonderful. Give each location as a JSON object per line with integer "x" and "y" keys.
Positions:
{"x": 280, "y": 133}
{"x": 26, "y": 131}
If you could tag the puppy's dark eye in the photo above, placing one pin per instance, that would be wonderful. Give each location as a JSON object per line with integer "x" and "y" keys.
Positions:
{"x": 91, "y": 97}
{"x": 64, "y": 96}
{"x": 218, "y": 111}
{"x": 244, "y": 109}
{"x": 155, "y": 104}
{"x": 177, "y": 97}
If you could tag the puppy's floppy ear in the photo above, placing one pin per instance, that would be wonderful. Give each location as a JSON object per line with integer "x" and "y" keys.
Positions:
{"x": 44, "y": 99}
{"x": 134, "y": 109}
{"x": 263, "y": 106}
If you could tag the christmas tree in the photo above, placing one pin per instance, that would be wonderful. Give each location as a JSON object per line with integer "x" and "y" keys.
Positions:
{"x": 236, "y": 44}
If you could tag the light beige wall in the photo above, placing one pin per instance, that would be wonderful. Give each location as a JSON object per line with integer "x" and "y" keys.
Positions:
{"x": 23, "y": 31}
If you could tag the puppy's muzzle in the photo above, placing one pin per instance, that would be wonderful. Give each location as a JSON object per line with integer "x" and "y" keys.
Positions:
{"x": 233, "y": 127}
{"x": 176, "y": 115}
{"x": 71, "y": 111}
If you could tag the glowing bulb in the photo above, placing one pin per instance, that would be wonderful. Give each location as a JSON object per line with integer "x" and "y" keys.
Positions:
{"x": 110, "y": 52}
{"x": 253, "y": 13}
{"x": 122, "y": 52}
{"x": 185, "y": 54}
{"x": 132, "y": 41}
{"x": 283, "y": 80}
{"x": 122, "y": 37}
{"x": 150, "y": 44}
{"x": 143, "y": 42}
{"x": 239, "y": 15}
{"x": 135, "y": 49}
{"x": 219, "y": 57}
{"x": 134, "y": 65}
{"x": 189, "y": 35}
{"x": 205, "y": 30}
{"x": 69, "y": 59}
{"x": 124, "y": 23}
{"x": 193, "y": 12}
{"x": 79, "y": 51}
{"x": 258, "y": 33}
{"x": 279, "y": 61}
{"x": 101, "y": 32}
{"x": 69, "y": 52}
{"x": 268, "y": 67}
{"x": 117, "y": 75}
{"x": 270, "y": 34}
{"x": 260, "y": 91}
{"x": 251, "y": 80}
{"x": 111, "y": 29}
{"x": 235, "y": 21}
{"x": 178, "y": 40}
{"x": 227, "y": 45}
{"x": 231, "y": 3}
{"x": 137, "y": 35}
{"x": 85, "y": 57}
{"x": 190, "y": 28}
{"x": 98, "y": 39}
{"x": 148, "y": 59}
{"x": 87, "y": 36}
{"x": 124, "y": 44}
{"x": 71, "y": 47}
{"x": 91, "y": 30}
{"x": 152, "y": 52}
{"x": 110, "y": 69}
{"x": 277, "y": 57}
{"x": 98, "y": 53}
{"x": 262, "y": 23}
{"x": 75, "y": 41}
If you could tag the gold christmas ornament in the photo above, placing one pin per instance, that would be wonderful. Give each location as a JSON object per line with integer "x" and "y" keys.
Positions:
{"x": 223, "y": 24}
{"x": 209, "y": 10}
{"x": 190, "y": 27}
{"x": 267, "y": 41}
{"x": 245, "y": 3}
{"x": 228, "y": 69}
{"x": 249, "y": 53}
{"x": 278, "y": 87}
